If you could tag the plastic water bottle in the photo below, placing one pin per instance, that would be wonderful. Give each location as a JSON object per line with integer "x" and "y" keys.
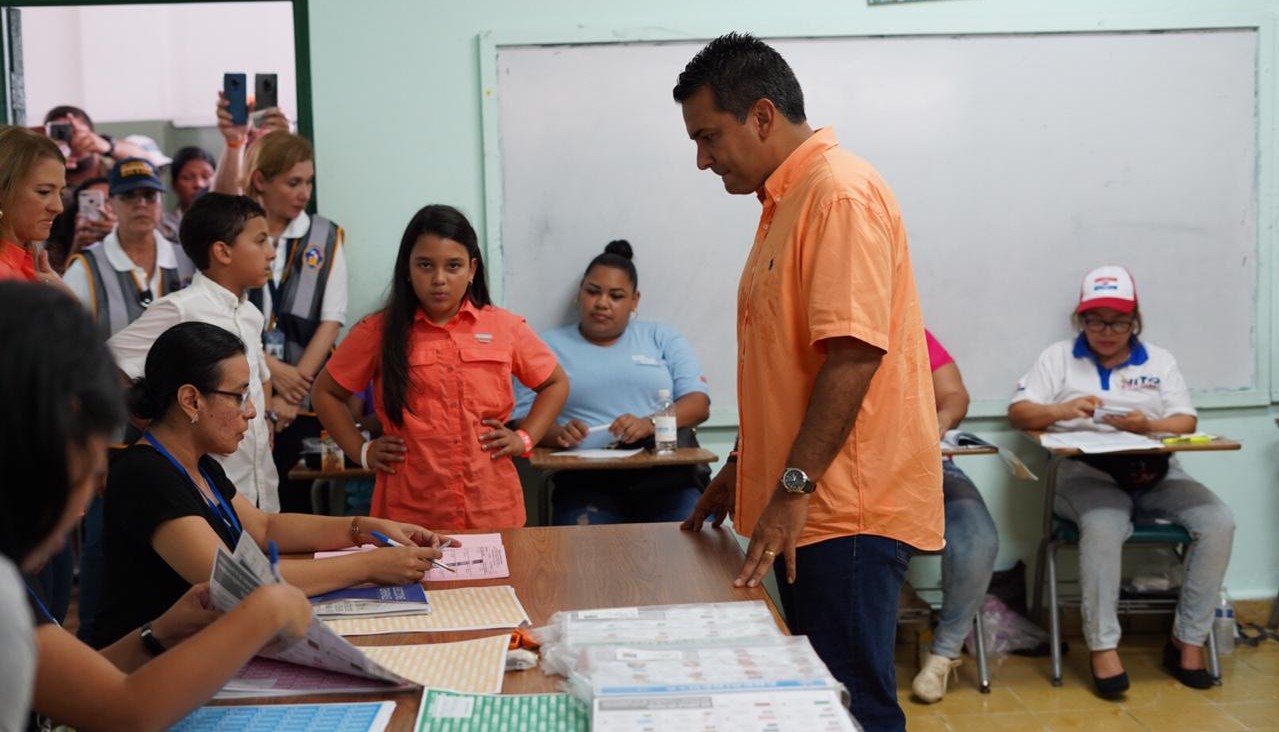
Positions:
{"x": 664, "y": 423}
{"x": 1223, "y": 625}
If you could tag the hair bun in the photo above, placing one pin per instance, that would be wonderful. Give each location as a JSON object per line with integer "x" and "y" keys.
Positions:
{"x": 621, "y": 248}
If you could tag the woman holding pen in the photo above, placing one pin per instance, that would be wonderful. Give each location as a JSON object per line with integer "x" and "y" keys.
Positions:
{"x": 169, "y": 506}
{"x": 63, "y": 404}
{"x": 617, "y": 365}
{"x": 1107, "y": 378}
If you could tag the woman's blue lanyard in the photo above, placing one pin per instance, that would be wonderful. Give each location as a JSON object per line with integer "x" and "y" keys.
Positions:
{"x": 220, "y": 508}
{"x": 40, "y": 604}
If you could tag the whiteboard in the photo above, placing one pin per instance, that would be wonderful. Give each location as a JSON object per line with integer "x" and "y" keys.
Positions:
{"x": 1019, "y": 161}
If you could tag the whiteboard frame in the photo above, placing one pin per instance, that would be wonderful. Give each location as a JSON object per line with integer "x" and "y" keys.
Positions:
{"x": 1265, "y": 388}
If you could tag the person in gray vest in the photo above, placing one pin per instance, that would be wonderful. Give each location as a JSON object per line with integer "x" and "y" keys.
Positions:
{"x": 305, "y": 299}
{"x": 118, "y": 277}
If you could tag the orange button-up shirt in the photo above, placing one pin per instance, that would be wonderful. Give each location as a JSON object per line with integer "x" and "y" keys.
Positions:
{"x": 830, "y": 260}
{"x": 459, "y": 374}
{"x": 16, "y": 263}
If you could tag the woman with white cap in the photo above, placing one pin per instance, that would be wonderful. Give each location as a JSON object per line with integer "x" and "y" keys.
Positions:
{"x": 1141, "y": 390}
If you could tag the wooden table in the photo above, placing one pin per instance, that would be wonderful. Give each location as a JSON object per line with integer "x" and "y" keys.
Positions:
{"x": 583, "y": 567}
{"x": 544, "y": 458}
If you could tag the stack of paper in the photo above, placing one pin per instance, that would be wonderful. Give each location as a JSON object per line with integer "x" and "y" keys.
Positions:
{"x": 372, "y": 602}
{"x": 236, "y": 576}
{"x": 1091, "y": 442}
{"x": 475, "y": 666}
{"x": 464, "y": 608}
{"x": 481, "y": 556}
{"x": 599, "y": 453}
{"x": 710, "y": 667}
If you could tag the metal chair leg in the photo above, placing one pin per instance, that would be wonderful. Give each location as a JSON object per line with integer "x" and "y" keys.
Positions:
{"x": 1054, "y": 612}
{"x": 1214, "y": 661}
{"x": 1037, "y": 598}
{"x": 979, "y": 638}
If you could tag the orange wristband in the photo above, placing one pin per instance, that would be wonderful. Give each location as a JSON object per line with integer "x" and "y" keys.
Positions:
{"x": 235, "y": 145}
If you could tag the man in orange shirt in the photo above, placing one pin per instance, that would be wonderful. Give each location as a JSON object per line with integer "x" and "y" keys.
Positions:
{"x": 837, "y": 474}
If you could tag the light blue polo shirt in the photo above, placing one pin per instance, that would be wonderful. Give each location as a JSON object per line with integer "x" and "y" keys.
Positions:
{"x": 606, "y": 382}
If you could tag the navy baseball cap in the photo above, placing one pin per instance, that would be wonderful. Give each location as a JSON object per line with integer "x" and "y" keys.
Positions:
{"x": 133, "y": 174}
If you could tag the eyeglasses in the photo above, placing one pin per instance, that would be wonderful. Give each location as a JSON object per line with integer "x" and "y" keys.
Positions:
{"x": 1097, "y": 325}
{"x": 146, "y": 195}
{"x": 242, "y": 397}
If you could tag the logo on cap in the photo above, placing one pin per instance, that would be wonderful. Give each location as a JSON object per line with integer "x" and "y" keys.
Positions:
{"x": 135, "y": 167}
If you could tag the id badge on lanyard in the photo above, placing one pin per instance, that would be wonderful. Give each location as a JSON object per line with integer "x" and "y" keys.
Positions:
{"x": 273, "y": 343}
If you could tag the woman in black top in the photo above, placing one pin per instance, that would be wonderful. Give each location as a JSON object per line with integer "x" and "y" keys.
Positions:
{"x": 62, "y": 404}
{"x": 169, "y": 506}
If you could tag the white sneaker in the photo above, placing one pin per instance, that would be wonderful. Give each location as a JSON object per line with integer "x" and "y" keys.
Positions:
{"x": 930, "y": 683}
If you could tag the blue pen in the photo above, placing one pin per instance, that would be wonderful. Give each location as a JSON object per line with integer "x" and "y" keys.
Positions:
{"x": 275, "y": 560}
{"x": 392, "y": 542}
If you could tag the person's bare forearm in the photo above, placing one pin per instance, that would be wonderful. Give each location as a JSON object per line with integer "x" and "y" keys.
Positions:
{"x": 317, "y": 351}
{"x": 834, "y": 404}
{"x": 692, "y": 409}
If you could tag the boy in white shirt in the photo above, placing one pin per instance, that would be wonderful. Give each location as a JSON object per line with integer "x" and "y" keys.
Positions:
{"x": 226, "y": 237}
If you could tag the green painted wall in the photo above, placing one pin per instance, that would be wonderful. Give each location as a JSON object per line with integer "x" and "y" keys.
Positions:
{"x": 397, "y": 99}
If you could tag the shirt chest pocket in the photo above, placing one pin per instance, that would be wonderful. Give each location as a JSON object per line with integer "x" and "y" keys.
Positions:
{"x": 486, "y": 379}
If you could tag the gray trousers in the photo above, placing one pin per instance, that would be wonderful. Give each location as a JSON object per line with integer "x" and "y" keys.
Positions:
{"x": 1105, "y": 514}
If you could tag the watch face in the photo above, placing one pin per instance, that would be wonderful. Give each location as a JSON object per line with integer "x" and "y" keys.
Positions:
{"x": 794, "y": 480}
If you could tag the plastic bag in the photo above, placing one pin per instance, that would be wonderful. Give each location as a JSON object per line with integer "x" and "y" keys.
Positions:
{"x": 1005, "y": 630}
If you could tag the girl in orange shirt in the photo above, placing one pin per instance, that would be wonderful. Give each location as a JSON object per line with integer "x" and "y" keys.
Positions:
{"x": 441, "y": 357}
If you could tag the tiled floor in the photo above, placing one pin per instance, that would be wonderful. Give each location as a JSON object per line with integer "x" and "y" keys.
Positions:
{"x": 1022, "y": 699}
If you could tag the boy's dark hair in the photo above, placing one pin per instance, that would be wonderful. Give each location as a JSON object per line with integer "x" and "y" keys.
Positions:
{"x": 618, "y": 255}
{"x": 214, "y": 217}
{"x": 740, "y": 70}
{"x": 188, "y": 353}
{"x": 445, "y": 222}
{"x": 58, "y": 386}
{"x": 186, "y": 155}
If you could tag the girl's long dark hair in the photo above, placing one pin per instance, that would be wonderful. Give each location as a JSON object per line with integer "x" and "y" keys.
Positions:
{"x": 445, "y": 222}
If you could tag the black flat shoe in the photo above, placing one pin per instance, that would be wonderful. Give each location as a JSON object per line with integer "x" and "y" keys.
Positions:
{"x": 1195, "y": 678}
{"x": 1111, "y": 687}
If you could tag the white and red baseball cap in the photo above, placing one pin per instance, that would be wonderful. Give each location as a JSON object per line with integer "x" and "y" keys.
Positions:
{"x": 1111, "y": 287}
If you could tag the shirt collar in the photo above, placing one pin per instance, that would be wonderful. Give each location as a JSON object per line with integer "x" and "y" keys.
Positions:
{"x": 219, "y": 294}
{"x": 467, "y": 308}
{"x": 120, "y": 261}
{"x": 1136, "y": 357}
{"x": 297, "y": 228}
{"x": 781, "y": 179}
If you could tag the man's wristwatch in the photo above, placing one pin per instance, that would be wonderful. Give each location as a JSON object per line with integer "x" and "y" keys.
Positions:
{"x": 150, "y": 642}
{"x": 796, "y": 482}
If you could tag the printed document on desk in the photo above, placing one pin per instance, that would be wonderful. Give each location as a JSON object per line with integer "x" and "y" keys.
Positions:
{"x": 372, "y": 601}
{"x": 600, "y": 454}
{"x": 762, "y": 711}
{"x": 364, "y": 717}
{"x": 236, "y": 576}
{"x": 442, "y": 711}
{"x": 1096, "y": 442}
{"x": 472, "y": 666}
{"x": 481, "y": 556}
{"x": 265, "y": 678}
{"x": 463, "y": 608}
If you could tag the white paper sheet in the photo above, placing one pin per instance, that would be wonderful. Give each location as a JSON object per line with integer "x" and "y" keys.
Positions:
{"x": 770, "y": 711}
{"x": 1093, "y": 443}
{"x": 599, "y": 454}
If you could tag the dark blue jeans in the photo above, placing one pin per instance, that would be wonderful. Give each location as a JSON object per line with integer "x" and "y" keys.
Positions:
{"x": 845, "y": 600}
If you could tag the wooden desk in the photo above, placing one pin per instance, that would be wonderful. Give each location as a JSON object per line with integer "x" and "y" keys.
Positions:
{"x": 544, "y": 459}
{"x": 581, "y": 567}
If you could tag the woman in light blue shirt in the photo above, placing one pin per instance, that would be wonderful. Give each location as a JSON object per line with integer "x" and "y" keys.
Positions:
{"x": 616, "y": 366}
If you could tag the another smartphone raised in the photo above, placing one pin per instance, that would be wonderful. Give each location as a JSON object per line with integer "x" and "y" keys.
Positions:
{"x": 233, "y": 88}
{"x": 59, "y": 131}
{"x": 90, "y": 202}
{"x": 266, "y": 92}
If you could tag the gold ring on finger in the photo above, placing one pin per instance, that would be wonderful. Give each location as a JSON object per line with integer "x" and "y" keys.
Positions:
{"x": 770, "y": 553}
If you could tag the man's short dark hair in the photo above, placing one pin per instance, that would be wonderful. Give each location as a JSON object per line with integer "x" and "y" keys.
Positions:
{"x": 740, "y": 70}
{"x": 214, "y": 217}
{"x": 66, "y": 110}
